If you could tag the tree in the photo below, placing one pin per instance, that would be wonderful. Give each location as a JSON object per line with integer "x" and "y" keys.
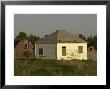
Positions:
{"x": 21, "y": 36}
{"x": 33, "y": 38}
{"x": 89, "y": 40}
{"x": 92, "y": 41}
{"x": 95, "y": 42}
{"x": 82, "y": 37}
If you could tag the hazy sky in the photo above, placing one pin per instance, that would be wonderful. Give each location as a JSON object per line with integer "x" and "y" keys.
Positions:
{"x": 42, "y": 24}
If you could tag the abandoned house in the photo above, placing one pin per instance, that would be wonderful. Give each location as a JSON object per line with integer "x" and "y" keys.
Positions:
{"x": 61, "y": 45}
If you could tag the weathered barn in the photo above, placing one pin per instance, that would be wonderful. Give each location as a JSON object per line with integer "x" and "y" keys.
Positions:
{"x": 23, "y": 49}
{"x": 61, "y": 45}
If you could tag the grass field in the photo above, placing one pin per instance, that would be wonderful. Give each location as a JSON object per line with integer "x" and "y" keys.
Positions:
{"x": 37, "y": 67}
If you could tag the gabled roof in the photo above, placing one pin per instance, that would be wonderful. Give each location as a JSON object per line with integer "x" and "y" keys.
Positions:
{"x": 60, "y": 36}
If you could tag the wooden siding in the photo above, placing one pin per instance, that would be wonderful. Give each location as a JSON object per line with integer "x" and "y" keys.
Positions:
{"x": 92, "y": 53}
{"x": 22, "y": 47}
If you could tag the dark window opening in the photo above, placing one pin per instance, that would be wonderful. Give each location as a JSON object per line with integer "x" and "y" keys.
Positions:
{"x": 80, "y": 49}
{"x": 90, "y": 49}
{"x": 63, "y": 51}
{"x": 40, "y": 51}
{"x": 25, "y": 46}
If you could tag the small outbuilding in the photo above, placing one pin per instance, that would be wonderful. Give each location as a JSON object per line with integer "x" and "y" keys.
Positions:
{"x": 23, "y": 49}
{"x": 61, "y": 45}
{"x": 92, "y": 53}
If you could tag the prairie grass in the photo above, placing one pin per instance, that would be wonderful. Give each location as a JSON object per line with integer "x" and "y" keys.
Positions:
{"x": 40, "y": 67}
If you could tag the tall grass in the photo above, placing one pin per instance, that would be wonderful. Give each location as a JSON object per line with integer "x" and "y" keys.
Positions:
{"x": 39, "y": 67}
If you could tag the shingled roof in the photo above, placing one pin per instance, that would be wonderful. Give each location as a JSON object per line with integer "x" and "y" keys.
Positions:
{"x": 60, "y": 36}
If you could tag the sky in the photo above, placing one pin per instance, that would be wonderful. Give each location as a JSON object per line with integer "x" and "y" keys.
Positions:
{"x": 44, "y": 24}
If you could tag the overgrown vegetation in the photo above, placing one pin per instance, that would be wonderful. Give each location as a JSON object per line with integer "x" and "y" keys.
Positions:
{"x": 38, "y": 67}
{"x": 92, "y": 40}
{"x": 23, "y": 35}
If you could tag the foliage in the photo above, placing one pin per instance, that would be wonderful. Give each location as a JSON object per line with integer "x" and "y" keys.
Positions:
{"x": 33, "y": 38}
{"x": 82, "y": 37}
{"x": 40, "y": 67}
{"x": 23, "y": 35}
{"x": 92, "y": 40}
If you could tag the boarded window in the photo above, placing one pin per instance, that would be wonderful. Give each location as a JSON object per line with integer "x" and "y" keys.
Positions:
{"x": 40, "y": 51}
{"x": 80, "y": 49}
{"x": 63, "y": 51}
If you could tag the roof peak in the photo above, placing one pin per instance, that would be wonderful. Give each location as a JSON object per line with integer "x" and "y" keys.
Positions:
{"x": 60, "y": 36}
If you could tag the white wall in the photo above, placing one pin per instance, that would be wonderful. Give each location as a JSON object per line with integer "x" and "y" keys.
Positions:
{"x": 49, "y": 51}
{"x": 71, "y": 51}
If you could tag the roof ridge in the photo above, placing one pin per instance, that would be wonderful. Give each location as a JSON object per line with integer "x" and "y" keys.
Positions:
{"x": 60, "y": 36}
